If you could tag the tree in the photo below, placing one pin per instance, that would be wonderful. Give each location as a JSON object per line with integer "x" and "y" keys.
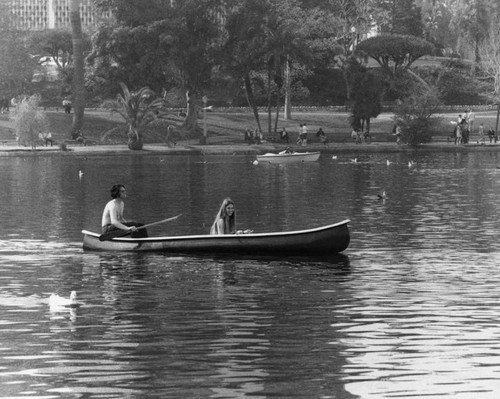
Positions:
{"x": 242, "y": 51}
{"x": 283, "y": 42}
{"x": 78, "y": 76}
{"x": 472, "y": 20}
{"x": 177, "y": 46}
{"x": 267, "y": 37}
{"x": 138, "y": 109}
{"x": 415, "y": 116}
{"x": 16, "y": 65}
{"x": 490, "y": 57}
{"x": 29, "y": 121}
{"x": 366, "y": 95}
{"x": 395, "y": 53}
{"x": 401, "y": 17}
{"x": 137, "y": 56}
{"x": 57, "y": 44}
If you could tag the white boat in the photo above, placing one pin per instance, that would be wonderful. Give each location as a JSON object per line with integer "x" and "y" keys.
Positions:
{"x": 289, "y": 157}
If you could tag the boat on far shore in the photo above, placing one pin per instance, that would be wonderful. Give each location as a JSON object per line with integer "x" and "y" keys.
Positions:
{"x": 289, "y": 157}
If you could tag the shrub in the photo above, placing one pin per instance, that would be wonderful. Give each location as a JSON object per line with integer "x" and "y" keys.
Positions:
{"x": 415, "y": 116}
{"x": 29, "y": 120}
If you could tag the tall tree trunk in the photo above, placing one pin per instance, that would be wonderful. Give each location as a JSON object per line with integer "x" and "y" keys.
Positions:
{"x": 269, "y": 97}
{"x": 251, "y": 100}
{"x": 78, "y": 77}
{"x": 477, "y": 56}
{"x": 191, "y": 122}
{"x": 277, "y": 110}
{"x": 288, "y": 92}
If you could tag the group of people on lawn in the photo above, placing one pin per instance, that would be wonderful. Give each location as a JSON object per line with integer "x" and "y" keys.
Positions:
{"x": 256, "y": 137}
{"x": 464, "y": 128}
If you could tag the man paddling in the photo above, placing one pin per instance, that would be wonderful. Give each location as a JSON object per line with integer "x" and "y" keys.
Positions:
{"x": 112, "y": 217}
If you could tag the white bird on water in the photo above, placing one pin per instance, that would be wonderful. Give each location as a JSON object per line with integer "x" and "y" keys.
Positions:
{"x": 334, "y": 157}
{"x": 57, "y": 302}
{"x": 255, "y": 162}
{"x": 411, "y": 163}
{"x": 354, "y": 160}
{"x": 388, "y": 162}
{"x": 80, "y": 174}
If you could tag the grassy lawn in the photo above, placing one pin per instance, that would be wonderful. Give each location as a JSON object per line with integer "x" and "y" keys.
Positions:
{"x": 226, "y": 128}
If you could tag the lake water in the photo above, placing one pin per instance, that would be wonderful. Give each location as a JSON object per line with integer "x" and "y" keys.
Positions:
{"x": 410, "y": 310}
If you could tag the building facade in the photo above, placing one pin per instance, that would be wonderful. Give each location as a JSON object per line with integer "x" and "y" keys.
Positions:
{"x": 51, "y": 14}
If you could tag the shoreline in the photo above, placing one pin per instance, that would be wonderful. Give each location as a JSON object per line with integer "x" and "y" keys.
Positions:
{"x": 191, "y": 148}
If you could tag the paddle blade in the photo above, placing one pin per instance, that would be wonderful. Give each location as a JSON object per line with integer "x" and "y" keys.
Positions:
{"x": 113, "y": 234}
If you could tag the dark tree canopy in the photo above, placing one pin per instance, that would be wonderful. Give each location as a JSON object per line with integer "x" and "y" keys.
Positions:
{"x": 57, "y": 44}
{"x": 366, "y": 94}
{"x": 395, "y": 53}
{"x": 133, "y": 12}
{"x": 404, "y": 17}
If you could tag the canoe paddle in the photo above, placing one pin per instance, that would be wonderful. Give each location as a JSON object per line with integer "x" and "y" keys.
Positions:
{"x": 122, "y": 233}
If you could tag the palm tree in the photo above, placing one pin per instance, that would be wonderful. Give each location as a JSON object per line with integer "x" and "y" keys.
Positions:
{"x": 137, "y": 109}
{"x": 78, "y": 77}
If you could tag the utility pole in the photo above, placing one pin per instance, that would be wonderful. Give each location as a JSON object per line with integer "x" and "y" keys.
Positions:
{"x": 204, "y": 139}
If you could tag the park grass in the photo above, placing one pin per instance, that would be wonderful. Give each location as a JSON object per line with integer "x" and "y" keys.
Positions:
{"x": 102, "y": 127}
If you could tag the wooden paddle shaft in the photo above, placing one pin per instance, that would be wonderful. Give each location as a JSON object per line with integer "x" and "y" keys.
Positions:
{"x": 159, "y": 222}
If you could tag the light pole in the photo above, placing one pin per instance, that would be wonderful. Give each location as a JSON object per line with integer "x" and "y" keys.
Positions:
{"x": 204, "y": 138}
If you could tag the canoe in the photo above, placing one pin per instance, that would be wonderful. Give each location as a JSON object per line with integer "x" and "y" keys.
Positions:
{"x": 323, "y": 240}
{"x": 289, "y": 158}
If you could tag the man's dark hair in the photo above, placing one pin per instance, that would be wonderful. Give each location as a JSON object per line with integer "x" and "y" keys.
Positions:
{"x": 115, "y": 190}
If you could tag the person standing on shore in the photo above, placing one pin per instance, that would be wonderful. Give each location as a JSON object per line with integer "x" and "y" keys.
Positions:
{"x": 481, "y": 134}
{"x": 471, "y": 117}
{"x": 66, "y": 105}
{"x": 304, "y": 134}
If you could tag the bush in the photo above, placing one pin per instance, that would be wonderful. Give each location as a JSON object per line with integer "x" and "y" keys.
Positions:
{"x": 415, "y": 117}
{"x": 456, "y": 82}
{"x": 29, "y": 121}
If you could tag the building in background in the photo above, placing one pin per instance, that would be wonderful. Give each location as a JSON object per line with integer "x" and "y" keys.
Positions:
{"x": 51, "y": 14}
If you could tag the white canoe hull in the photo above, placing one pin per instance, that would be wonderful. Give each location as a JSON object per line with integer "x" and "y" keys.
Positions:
{"x": 323, "y": 240}
{"x": 289, "y": 158}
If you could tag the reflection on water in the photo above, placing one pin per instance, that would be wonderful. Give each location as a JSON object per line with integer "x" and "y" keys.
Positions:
{"x": 409, "y": 310}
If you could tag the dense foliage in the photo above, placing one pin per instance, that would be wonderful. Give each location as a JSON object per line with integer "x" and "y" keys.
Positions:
{"x": 415, "y": 116}
{"x": 29, "y": 120}
{"x": 138, "y": 109}
{"x": 395, "y": 53}
{"x": 272, "y": 53}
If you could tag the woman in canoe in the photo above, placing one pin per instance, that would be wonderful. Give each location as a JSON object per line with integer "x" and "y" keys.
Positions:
{"x": 225, "y": 221}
